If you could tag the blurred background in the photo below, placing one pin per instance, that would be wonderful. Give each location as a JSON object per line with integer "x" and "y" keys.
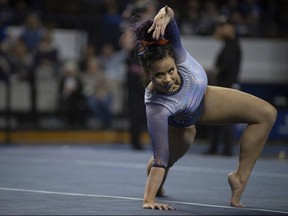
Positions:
{"x": 67, "y": 72}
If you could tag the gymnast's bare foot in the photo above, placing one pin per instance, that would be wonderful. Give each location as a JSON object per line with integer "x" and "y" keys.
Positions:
{"x": 237, "y": 189}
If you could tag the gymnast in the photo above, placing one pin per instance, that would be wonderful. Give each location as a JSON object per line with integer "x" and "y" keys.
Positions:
{"x": 178, "y": 97}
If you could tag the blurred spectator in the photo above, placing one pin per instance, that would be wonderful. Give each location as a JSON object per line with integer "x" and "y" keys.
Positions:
{"x": 46, "y": 58}
{"x": 112, "y": 63}
{"x": 225, "y": 72}
{"x": 251, "y": 11}
{"x": 135, "y": 91}
{"x": 88, "y": 52}
{"x": 33, "y": 32}
{"x": 268, "y": 24}
{"x": 5, "y": 67}
{"x": 209, "y": 17}
{"x": 21, "y": 60}
{"x": 110, "y": 22}
{"x": 190, "y": 23}
{"x": 6, "y": 17}
{"x": 72, "y": 102}
{"x": 282, "y": 18}
{"x": 229, "y": 9}
{"x": 98, "y": 92}
{"x": 21, "y": 64}
{"x": 140, "y": 10}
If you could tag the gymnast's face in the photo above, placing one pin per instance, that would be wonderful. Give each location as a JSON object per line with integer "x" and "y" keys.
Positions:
{"x": 164, "y": 76}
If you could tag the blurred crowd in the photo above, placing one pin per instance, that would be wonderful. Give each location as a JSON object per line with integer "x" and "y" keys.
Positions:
{"x": 96, "y": 82}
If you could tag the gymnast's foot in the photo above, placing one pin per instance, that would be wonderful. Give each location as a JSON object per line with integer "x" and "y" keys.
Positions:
{"x": 237, "y": 189}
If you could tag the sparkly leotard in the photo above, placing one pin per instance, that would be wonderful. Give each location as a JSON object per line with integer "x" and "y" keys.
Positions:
{"x": 181, "y": 108}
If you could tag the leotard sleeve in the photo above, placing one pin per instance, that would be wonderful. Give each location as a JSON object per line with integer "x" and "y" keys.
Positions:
{"x": 157, "y": 123}
{"x": 172, "y": 34}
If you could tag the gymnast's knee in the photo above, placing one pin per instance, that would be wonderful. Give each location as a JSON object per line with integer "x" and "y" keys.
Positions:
{"x": 271, "y": 114}
{"x": 189, "y": 135}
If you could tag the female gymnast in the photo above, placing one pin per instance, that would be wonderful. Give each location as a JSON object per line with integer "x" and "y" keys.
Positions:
{"x": 177, "y": 97}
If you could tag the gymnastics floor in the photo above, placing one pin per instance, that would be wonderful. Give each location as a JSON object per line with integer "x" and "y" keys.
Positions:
{"x": 110, "y": 180}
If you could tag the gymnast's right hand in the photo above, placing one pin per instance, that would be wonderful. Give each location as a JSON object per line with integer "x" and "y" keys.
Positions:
{"x": 160, "y": 206}
{"x": 160, "y": 22}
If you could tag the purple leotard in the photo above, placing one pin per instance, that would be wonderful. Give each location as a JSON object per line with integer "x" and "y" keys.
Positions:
{"x": 181, "y": 108}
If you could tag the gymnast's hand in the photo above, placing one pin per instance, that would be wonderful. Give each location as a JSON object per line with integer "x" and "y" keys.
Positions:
{"x": 160, "y": 22}
{"x": 160, "y": 206}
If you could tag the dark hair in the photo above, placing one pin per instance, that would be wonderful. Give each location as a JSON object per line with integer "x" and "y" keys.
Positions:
{"x": 142, "y": 31}
{"x": 150, "y": 50}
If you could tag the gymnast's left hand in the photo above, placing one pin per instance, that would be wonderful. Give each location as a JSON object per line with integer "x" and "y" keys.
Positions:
{"x": 160, "y": 206}
{"x": 160, "y": 22}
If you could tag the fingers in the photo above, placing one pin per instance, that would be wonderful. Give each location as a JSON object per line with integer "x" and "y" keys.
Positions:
{"x": 158, "y": 30}
{"x": 159, "y": 24}
{"x": 162, "y": 30}
{"x": 166, "y": 9}
{"x": 152, "y": 27}
{"x": 155, "y": 28}
{"x": 158, "y": 206}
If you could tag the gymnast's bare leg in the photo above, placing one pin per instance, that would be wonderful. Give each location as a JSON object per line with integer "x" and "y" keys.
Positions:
{"x": 223, "y": 105}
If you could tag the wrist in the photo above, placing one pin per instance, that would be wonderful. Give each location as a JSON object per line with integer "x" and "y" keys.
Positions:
{"x": 147, "y": 201}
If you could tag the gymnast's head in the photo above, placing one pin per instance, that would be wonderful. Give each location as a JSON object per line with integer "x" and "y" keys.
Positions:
{"x": 157, "y": 57}
{"x": 150, "y": 50}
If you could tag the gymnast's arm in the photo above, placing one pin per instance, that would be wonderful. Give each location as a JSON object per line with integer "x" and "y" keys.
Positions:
{"x": 157, "y": 121}
{"x": 165, "y": 26}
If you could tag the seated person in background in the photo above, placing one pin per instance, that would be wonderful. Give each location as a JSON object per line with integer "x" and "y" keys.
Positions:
{"x": 33, "y": 31}
{"x": 98, "y": 92}
{"x": 114, "y": 68}
{"x": 71, "y": 98}
{"x": 46, "y": 58}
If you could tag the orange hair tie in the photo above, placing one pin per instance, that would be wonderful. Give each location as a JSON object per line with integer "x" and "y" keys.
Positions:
{"x": 144, "y": 44}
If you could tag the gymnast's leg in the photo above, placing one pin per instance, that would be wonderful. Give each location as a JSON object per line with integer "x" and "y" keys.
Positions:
{"x": 227, "y": 106}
